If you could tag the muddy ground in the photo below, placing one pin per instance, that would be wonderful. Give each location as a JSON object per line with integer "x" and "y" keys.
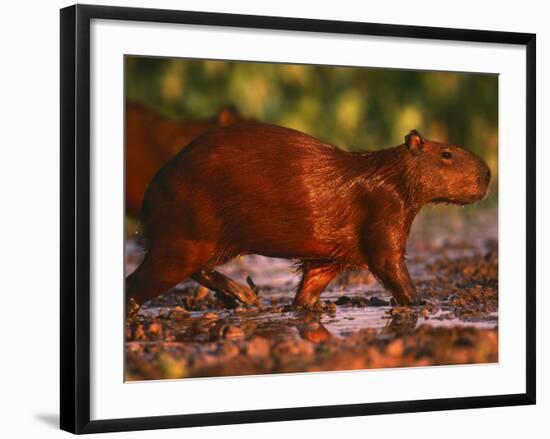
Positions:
{"x": 453, "y": 260}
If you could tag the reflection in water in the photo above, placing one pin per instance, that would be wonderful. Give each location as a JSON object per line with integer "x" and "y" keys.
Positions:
{"x": 401, "y": 323}
{"x": 314, "y": 331}
{"x": 201, "y": 326}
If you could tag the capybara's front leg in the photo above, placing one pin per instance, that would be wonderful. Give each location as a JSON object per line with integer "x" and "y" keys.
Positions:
{"x": 315, "y": 278}
{"x": 224, "y": 285}
{"x": 392, "y": 272}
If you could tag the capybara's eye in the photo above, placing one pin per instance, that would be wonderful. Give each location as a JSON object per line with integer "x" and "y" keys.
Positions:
{"x": 446, "y": 155}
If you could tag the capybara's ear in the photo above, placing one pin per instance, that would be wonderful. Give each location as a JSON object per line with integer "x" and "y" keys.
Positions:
{"x": 414, "y": 141}
{"x": 228, "y": 115}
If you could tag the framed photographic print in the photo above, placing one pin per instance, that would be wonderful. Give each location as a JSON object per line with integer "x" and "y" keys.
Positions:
{"x": 304, "y": 218}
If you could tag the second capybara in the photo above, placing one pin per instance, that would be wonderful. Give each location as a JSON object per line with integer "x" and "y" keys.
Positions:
{"x": 151, "y": 140}
{"x": 254, "y": 188}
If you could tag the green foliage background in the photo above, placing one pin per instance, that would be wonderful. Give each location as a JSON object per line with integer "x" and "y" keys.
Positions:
{"x": 354, "y": 108}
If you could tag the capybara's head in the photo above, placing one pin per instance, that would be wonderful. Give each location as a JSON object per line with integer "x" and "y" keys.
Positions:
{"x": 445, "y": 173}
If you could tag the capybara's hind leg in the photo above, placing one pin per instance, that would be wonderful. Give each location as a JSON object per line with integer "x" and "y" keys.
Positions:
{"x": 225, "y": 286}
{"x": 155, "y": 275}
{"x": 315, "y": 278}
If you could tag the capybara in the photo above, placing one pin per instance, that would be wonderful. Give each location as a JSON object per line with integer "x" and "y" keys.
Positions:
{"x": 254, "y": 188}
{"x": 152, "y": 140}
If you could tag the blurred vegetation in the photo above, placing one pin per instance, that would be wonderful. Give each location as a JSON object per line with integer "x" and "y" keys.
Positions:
{"x": 353, "y": 108}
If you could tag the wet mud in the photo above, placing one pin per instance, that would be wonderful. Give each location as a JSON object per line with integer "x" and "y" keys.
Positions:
{"x": 453, "y": 260}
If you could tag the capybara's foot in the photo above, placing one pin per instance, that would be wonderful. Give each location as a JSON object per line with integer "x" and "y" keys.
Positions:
{"x": 314, "y": 307}
{"x": 306, "y": 300}
{"x": 407, "y": 301}
{"x": 223, "y": 285}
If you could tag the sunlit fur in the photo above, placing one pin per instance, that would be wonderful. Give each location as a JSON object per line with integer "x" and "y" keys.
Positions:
{"x": 151, "y": 140}
{"x": 264, "y": 189}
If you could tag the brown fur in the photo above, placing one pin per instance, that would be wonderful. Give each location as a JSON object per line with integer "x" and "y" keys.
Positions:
{"x": 152, "y": 140}
{"x": 263, "y": 189}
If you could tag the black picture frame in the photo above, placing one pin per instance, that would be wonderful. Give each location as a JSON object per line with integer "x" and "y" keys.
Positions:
{"x": 75, "y": 217}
